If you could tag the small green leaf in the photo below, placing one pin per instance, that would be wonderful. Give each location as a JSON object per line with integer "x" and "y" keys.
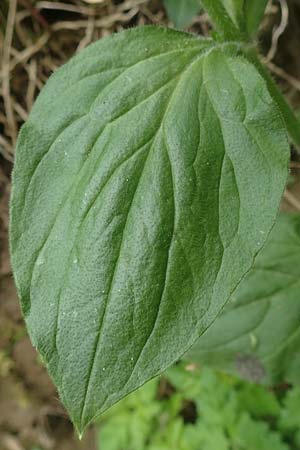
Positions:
{"x": 246, "y": 14}
{"x": 290, "y": 413}
{"x": 223, "y": 19}
{"x": 181, "y": 12}
{"x": 258, "y": 334}
{"x": 236, "y": 17}
{"x": 254, "y": 11}
{"x": 147, "y": 178}
{"x": 257, "y": 435}
{"x": 235, "y": 9}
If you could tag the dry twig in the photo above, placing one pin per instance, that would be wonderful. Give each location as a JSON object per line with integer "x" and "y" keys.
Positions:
{"x": 292, "y": 200}
{"x": 58, "y": 6}
{"x": 11, "y": 123}
{"x": 28, "y": 52}
{"x": 294, "y": 82}
{"x": 279, "y": 30}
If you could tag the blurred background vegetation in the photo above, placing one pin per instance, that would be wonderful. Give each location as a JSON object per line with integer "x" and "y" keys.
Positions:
{"x": 194, "y": 408}
{"x": 190, "y": 407}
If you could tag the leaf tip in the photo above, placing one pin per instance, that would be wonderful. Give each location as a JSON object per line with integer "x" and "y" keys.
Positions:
{"x": 79, "y": 426}
{"x": 80, "y": 430}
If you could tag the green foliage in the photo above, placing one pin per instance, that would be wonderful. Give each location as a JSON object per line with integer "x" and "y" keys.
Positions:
{"x": 233, "y": 18}
{"x": 147, "y": 179}
{"x": 181, "y": 12}
{"x": 235, "y": 9}
{"x": 254, "y": 11}
{"x": 236, "y": 18}
{"x": 246, "y": 14}
{"x": 135, "y": 192}
{"x": 258, "y": 334}
{"x": 290, "y": 418}
{"x": 222, "y": 20}
{"x": 230, "y": 414}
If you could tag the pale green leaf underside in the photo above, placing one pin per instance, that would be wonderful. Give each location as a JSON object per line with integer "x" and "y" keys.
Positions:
{"x": 181, "y": 12}
{"x": 258, "y": 335}
{"x": 147, "y": 178}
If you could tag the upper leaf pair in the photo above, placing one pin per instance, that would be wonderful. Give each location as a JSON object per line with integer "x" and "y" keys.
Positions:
{"x": 234, "y": 18}
{"x": 246, "y": 14}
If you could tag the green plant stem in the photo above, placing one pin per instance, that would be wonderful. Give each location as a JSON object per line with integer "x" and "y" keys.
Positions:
{"x": 291, "y": 120}
{"x": 221, "y": 19}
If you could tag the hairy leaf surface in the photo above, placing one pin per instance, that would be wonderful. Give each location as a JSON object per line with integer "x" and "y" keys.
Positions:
{"x": 258, "y": 334}
{"x": 147, "y": 178}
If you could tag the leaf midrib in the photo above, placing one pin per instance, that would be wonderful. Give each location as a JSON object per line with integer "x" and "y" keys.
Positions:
{"x": 90, "y": 151}
{"x": 201, "y": 54}
{"x": 188, "y": 67}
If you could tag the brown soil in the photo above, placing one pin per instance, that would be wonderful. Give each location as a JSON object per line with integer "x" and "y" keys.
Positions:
{"x": 35, "y": 40}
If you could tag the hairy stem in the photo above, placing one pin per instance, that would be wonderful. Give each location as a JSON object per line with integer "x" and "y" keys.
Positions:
{"x": 221, "y": 19}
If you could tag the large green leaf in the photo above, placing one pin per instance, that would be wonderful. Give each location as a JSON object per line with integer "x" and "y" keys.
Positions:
{"x": 258, "y": 334}
{"x": 147, "y": 178}
{"x": 181, "y": 12}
